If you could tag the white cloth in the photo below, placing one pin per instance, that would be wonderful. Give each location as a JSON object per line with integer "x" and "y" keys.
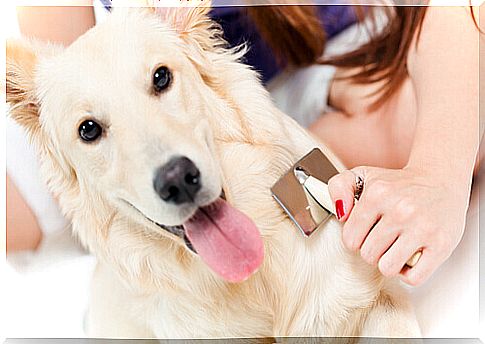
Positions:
{"x": 290, "y": 91}
{"x": 303, "y": 93}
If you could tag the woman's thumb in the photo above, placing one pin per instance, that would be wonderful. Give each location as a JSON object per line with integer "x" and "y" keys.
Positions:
{"x": 342, "y": 189}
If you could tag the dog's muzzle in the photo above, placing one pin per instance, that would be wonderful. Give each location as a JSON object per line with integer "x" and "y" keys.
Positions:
{"x": 177, "y": 230}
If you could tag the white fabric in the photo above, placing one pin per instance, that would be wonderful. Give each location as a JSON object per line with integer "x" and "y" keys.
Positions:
{"x": 48, "y": 290}
{"x": 100, "y": 12}
{"x": 290, "y": 90}
{"x": 303, "y": 93}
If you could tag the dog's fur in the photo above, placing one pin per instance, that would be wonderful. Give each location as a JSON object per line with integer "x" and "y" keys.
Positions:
{"x": 147, "y": 283}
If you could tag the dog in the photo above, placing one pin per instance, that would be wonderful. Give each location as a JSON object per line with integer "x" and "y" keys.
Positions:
{"x": 161, "y": 147}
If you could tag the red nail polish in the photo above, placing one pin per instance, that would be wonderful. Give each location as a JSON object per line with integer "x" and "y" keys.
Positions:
{"x": 339, "y": 208}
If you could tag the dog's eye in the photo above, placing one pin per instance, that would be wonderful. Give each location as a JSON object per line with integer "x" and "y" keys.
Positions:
{"x": 161, "y": 79}
{"x": 89, "y": 130}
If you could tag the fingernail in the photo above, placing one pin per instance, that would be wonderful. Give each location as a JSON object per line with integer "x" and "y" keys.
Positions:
{"x": 339, "y": 208}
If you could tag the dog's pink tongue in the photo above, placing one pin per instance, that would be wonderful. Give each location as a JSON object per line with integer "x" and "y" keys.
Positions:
{"x": 226, "y": 240}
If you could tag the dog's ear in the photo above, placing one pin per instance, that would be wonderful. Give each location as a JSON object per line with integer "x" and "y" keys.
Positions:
{"x": 187, "y": 16}
{"x": 20, "y": 67}
{"x": 191, "y": 21}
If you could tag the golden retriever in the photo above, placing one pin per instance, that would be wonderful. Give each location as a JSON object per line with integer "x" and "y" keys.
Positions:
{"x": 161, "y": 148}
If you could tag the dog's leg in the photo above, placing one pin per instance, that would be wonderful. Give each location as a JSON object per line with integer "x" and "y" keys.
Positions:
{"x": 112, "y": 309}
{"x": 392, "y": 316}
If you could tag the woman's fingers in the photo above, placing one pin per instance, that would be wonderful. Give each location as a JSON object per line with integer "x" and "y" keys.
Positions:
{"x": 359, "y": 218}
{"x": 430, "y": 260}
{"x": 399, "y": 213}
{"x": 359, "y": 223}
{"x": 378, "y": 241}
{"x": 374, "y": 226}
{"x": 394, "y": 260}
{"x": 342, "y": 192}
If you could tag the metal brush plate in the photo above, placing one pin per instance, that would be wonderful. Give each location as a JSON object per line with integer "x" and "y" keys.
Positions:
{"x": 289, "y": 193}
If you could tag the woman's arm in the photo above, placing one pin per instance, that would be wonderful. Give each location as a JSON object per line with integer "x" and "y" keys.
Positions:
{"x": 61, "y": 24}
{"x": 444, "y": 70}
{"x": 422, "y": 206}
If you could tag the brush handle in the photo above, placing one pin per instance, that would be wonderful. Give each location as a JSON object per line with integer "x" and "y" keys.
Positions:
{"x": 319, "y": 191}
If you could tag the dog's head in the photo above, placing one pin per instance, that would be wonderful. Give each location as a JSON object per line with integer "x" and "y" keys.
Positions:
{"x": 126, "y": 119}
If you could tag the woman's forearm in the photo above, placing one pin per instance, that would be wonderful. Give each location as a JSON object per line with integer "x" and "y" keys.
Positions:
{"x": 445, "y": 74}
{"x": 60, "y": 24}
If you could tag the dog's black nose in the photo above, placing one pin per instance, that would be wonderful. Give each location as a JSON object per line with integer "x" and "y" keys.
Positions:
{"x": 178, "y": 181}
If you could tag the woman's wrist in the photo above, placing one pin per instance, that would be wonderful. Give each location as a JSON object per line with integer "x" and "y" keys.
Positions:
{"x": 454, "y": 181}
{"x": 444, "y": 168}
{"x": 444, "y": 154}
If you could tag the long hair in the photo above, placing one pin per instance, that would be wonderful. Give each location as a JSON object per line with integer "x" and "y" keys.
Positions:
{"x": 297, "y": 38}
{"x": 294, "y": 33}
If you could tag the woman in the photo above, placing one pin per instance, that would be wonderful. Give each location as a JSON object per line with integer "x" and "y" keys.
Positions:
{"x": 416, "y": 196}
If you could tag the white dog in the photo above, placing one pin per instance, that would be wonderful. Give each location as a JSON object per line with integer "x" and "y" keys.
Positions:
{"x": 159, "y": 144}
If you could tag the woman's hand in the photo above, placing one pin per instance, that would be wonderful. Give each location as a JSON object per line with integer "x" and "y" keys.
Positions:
{"x": 400, "y": 212}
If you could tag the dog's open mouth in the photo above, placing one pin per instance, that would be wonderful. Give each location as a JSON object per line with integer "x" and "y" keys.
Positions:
{"x": 179, "y": 230}
{"x": 227, "y": 240}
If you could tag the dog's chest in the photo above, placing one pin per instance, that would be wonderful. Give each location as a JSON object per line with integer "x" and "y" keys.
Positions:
{"x": 203, "y": 316}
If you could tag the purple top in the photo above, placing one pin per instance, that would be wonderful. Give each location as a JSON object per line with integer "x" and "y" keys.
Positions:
{"x": 238, "y": 29}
